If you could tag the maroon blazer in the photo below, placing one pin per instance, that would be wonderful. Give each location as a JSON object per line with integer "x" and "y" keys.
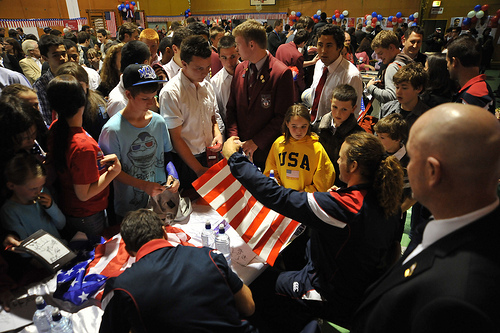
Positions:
{"x": 290, "y": 56}
{"x": 259, "y": 117}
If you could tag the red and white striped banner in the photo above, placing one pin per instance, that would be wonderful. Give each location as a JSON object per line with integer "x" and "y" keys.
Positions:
{"x": 214, "y": 17}
{"x": 39, "y": 23}
{"x": 264, "y": 230}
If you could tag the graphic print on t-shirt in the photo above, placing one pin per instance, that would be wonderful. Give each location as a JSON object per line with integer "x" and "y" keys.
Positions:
{"x": 142, "y": 154}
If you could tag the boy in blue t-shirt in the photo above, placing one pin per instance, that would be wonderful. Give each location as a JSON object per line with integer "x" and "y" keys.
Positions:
{"x": 140, "y": 139}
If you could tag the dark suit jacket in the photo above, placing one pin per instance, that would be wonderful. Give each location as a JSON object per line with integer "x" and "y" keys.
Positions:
{"x": 274, "y": 40}
{"x": 290, "y": 56}
{"x": 452, "y": 287}
{"x": 259, "y": 117}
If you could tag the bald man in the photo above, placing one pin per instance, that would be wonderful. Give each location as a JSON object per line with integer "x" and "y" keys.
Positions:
{"x": 450, "y": 282}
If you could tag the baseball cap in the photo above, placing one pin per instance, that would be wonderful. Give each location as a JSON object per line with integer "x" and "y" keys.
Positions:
{"x": 47, "y": 30}
{"x": 137, "y": 74}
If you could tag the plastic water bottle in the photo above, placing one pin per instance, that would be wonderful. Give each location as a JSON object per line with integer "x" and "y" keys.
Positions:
{"x": 207, "y": 236}
{"x": 271, "y": 175}
{"x": 222, "y": 243}
{"x": 60, "y": 324}
{"x": 41, "y": 319}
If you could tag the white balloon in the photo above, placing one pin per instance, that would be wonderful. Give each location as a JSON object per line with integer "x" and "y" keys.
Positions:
{"x": 415, "y": 15}
{"x": 318, "y": 12}
{"x": 345, "y": 12}
{"x": 471, "y": 14}
{"x": 479, "y": 14}
{"x": 293, "y": 13}
{"x": 378, "y": 23}
{"x": 338, "y": 20}
{"x": 124, "y": 9}
{"x": 369, "y": 17}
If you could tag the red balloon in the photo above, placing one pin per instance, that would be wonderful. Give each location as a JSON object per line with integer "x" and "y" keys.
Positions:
{"x": 189, "y": 14}
{"x": 367, "y": 15}
{"x": 485, "y": 8}
{"x": 473, "y": 20}
{"x": 290, "y": 17}
{"x": 400, "y": 20}
{"x": 394, "y": 19}
{"x": 131, "y": 7}
{"x": 337, "y": 11}
{"x": 494, "y": 19}
{"x": 415, "y": 20}
{"x": 374, "y": 24}
{"x": 374, "y": 20}
{"x": 337, "y": 15}
{"x": 498, "y": 13}
{"x": 291, "y": 23}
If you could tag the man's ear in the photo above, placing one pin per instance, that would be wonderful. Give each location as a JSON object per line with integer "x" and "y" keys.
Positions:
{"x": 10, "y": 185}
{"x": 433, "y": 171}
{"x": 128, "y": 94}
{"x": 353, "y": 166}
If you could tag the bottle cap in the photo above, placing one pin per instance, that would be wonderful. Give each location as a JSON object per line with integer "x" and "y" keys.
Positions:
{"x": 40, "y": 302}
{"x": 208, "y": 225}
{"x": 221, "y": 229}
{"x": 56, "y": 314}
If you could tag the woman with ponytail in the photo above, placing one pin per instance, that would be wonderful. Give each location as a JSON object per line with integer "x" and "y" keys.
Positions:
{"x": 83, "y": 171}
{"x": 354, "y": 233}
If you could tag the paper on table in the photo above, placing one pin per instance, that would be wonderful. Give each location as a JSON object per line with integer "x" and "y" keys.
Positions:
{"x": 21, "y": 314}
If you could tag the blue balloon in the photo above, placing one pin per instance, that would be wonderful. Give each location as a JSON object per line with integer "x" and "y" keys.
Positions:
{"x": 380, "y": 17}
{"x": 374, "y": 14}
{"x": 398, "y": 14}
{"x": 466, "y": 21}
{"x": 341, "y": 16}
{"x": 186, "y": 15}
{"x": 208, "y": 22}
{"x": 185, "y": 12}
{"x": 133, "y": 3}
{"x": 127, "y": 6}
{"x": 120, "y": 7}
{"x": 298, "y": 14}
{"x": 411, "y": 17}
{"x": 316, "y": 16}
{"x": 390, "y": 18}
{"x": 477, "y": 8}
{"x": 189, "y": 10}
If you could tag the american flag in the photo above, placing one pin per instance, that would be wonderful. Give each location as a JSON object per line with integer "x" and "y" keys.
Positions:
{"x": 110, "y": 23}
{"x": 264, "y": 230}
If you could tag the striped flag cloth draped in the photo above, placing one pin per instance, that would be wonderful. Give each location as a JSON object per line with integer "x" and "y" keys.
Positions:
{"x": 264, "y": 230}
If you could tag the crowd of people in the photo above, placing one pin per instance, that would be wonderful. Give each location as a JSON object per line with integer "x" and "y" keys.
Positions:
{"x": 92, "y": 127}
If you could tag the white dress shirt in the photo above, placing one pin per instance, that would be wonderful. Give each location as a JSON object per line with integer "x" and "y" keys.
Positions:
{"x": 222, "y": 87}
{"x": 341, "y": 71}
{"x": 184, "y": 104}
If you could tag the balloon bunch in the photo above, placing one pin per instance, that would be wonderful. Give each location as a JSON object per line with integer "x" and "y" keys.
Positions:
{"x": 187, "y": 13}
{"x": 338, "y": 16}
{"x": 317, "y": 16}
{"x": 413, "y": 18}
{"x": 398, "y": 18}
{"x": 478, "y": 13}
{"x": 374, "y": 19}
{"x": 127, "y": 8}
{"x": 294, "y": 17}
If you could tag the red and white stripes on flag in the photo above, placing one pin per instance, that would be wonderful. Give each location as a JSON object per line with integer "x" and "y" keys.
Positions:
{"x": 264, "y": 230}
{"x": 110, "y": 23}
